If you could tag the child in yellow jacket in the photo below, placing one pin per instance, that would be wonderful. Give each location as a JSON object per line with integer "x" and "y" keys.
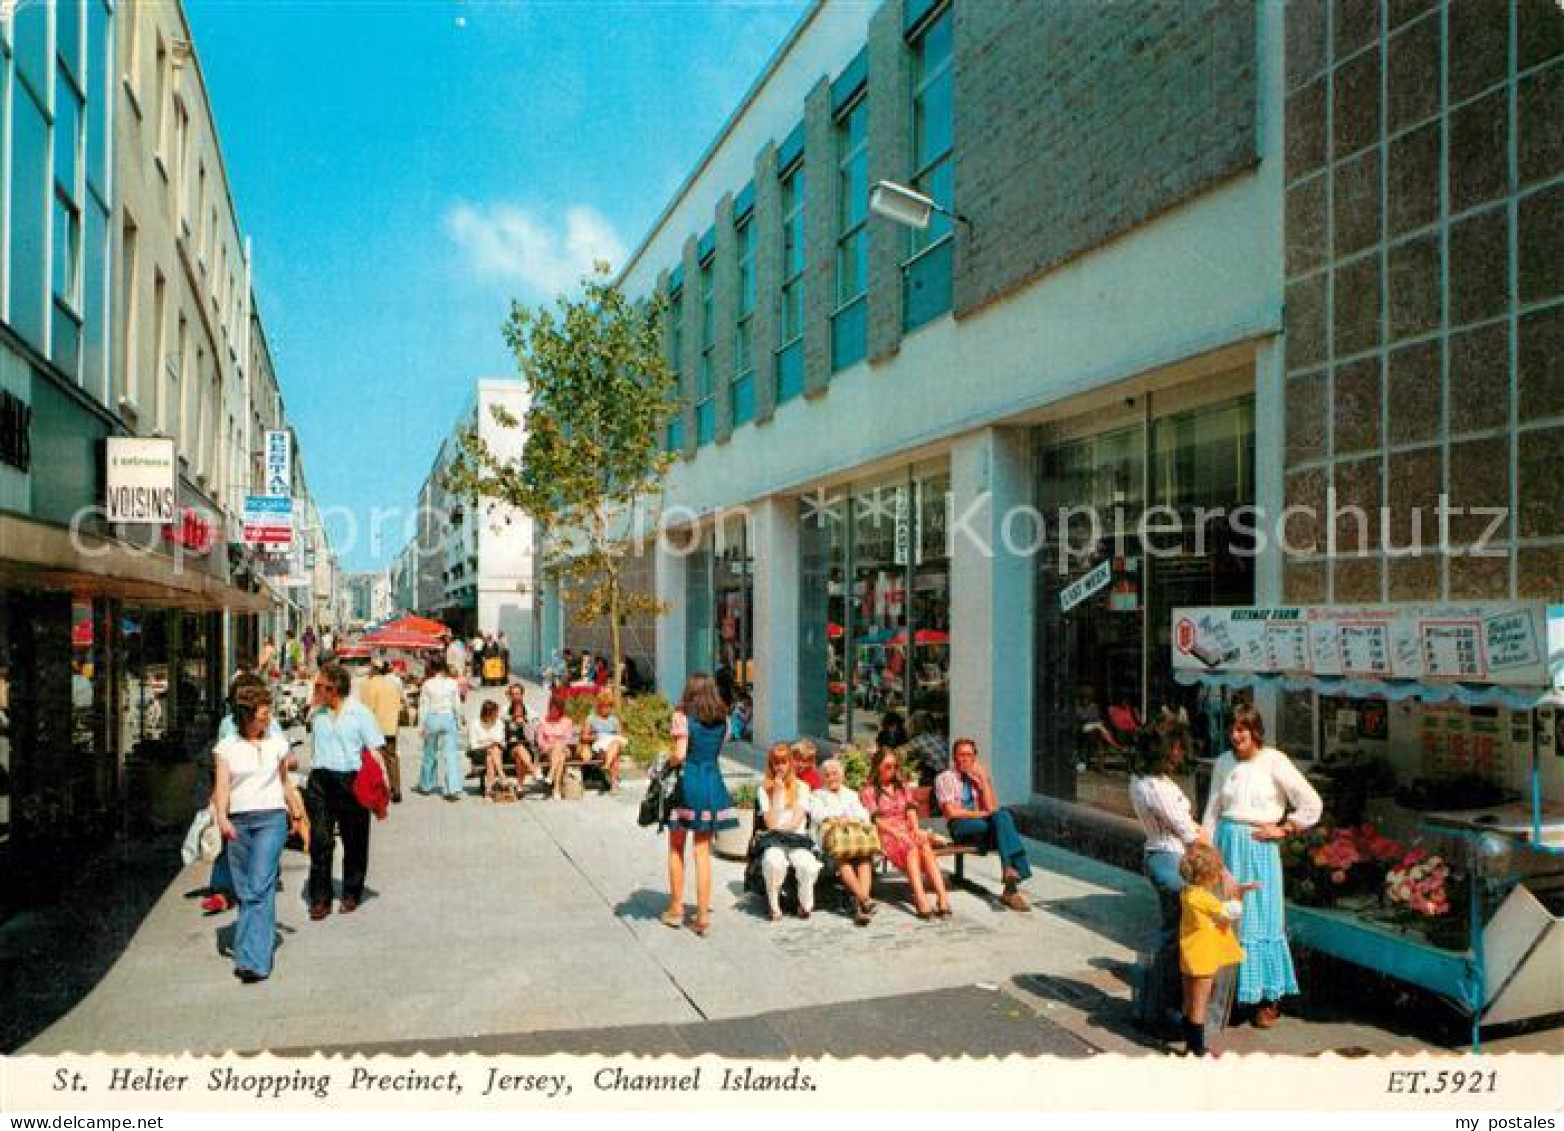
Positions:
{"x": 1206, "y": 939}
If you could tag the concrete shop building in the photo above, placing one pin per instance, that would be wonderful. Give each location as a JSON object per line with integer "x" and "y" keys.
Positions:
{"x": 868, "y": 408}
{"x": 488, "y": 582}
{"x": 124, "y": 312}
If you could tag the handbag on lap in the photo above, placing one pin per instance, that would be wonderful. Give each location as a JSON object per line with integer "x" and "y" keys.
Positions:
{"x": 851, "y": 840}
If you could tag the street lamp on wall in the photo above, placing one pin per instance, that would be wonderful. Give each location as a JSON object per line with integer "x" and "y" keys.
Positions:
{"x": 906, "y": 207}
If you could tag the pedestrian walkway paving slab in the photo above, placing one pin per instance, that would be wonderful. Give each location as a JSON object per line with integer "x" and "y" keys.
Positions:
{"x": 517, "y": 923}
{"x": 959, "y": 1021}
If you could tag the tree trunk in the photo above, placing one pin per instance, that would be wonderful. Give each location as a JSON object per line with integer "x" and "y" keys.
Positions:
{"x": 615, "y": 645}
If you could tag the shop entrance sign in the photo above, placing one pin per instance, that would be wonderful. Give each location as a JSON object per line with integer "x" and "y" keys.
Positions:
{"x": 141, "y": 481}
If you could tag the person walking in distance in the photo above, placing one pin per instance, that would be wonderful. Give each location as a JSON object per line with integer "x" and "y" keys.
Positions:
{"x": 439, "y": 705}
{"x": 382, "y": 694}
{"x": 342, "y": 729}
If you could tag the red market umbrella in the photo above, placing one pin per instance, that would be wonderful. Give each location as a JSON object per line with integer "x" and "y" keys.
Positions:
{"x": 415, "y": 624}
{"x": 387, "y": 638}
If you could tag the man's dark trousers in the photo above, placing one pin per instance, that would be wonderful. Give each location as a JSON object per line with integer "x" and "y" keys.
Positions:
{"x": 329, "y": 799}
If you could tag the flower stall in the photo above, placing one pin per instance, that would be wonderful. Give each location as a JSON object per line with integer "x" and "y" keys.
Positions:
{"x": 1438, "y": 733}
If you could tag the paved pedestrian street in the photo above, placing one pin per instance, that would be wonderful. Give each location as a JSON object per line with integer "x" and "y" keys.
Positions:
{"x": 492, "y": 919}
{"x": 532, "y": 928}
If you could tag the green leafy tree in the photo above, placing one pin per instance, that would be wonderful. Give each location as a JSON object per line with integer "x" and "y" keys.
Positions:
{"x": 601, "y": 393}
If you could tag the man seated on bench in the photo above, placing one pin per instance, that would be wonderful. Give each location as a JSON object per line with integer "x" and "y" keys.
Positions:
{"x": 603, "y": 739}
{"x": 965, "y": 795}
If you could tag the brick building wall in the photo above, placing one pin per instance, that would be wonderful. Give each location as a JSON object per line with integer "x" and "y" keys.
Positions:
{"x": 1077, "y": 122}
{"x": 1424, "y": 297}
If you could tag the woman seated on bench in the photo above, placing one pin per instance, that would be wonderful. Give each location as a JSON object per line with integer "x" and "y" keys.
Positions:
{"x": 602, "y": 739}
{"x": 554, "y": 735}
{"x": 486, "y": 739}
{"x": 516, "y": 727}
{"x": 782, "y": 806}
{"x": 904, "y": 844}
{"x": 831, "y": 803}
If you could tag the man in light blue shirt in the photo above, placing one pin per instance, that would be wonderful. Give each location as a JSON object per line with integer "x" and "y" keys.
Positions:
{"x": 342, "y": 728}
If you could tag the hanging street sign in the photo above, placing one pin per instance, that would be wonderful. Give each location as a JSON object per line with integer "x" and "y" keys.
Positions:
{"x": 268, "y": 521}
{"x": 279, "y": 463}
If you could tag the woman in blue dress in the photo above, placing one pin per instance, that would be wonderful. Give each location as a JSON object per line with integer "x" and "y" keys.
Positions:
{"x": 704, "y": 807}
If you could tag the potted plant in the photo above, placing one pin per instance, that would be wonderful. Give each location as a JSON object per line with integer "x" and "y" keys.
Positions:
{"x": 733, "y": 844}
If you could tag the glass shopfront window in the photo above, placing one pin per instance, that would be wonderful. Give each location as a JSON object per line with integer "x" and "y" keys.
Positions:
{"x": 719, "y": 589}
{"x": 733, "y": 605}
{"x": 1103, "y": 648}
{"x": 882, "y": 555}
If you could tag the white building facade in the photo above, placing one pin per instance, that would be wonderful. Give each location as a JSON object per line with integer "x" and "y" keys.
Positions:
{"x": 872, "y": 415}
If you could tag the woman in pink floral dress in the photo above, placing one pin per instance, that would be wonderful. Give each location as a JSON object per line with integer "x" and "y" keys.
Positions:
{"x": 905, "y": 845}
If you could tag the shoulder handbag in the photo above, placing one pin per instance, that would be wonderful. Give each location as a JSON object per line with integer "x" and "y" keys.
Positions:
{"x": 849, "y": 839}
{"x": 663, "y": 795}
{"x": 784, "y": 839}
{"x": 369, "y": 785}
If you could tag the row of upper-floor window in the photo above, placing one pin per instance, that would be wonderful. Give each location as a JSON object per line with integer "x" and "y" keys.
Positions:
{"x": 211, "y": 235}
{"x": 57, "y": 59}
{"x": 925, "y": 268}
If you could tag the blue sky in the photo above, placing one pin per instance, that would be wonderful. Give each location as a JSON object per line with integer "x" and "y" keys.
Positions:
{"x": 406, "y": 169}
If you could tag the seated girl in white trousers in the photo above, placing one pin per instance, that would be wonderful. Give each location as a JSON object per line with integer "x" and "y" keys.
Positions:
{"x": 781, "y": 806}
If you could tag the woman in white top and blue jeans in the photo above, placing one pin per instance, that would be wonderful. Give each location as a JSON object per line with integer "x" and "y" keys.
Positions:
{"x": 439, "y": 700}
{"x": 1258, "y": 798}
{"x": 1168, "y": 820}
{"x": 254, "y": 799}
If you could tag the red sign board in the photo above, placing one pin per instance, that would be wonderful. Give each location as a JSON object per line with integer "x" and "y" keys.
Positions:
{"x": 192, "y": 533}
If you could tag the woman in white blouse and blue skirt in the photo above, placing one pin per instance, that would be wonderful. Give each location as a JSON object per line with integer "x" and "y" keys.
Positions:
{"x": 1259, "y": 798}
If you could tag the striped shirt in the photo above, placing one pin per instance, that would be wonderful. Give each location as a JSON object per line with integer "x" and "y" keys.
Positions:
{"x": 1164, "y": 813}
{"x": 954, "y": 788}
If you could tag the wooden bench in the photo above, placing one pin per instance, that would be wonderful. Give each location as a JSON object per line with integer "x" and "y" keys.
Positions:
{"x": 941, "y": 852}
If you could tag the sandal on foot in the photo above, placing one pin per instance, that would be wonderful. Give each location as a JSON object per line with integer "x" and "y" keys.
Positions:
{"x": 671, "y": 919}
{"x": 701, "y": 927}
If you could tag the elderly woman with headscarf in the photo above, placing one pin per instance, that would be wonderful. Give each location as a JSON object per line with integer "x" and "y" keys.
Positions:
{"x": 830, "y": 805}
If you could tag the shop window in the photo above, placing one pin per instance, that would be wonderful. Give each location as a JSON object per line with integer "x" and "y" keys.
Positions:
{"x": 927, "y": 279}
{"x": 879, "y": 559}
{"x": 742, "y": 389}
{"x": 1104, "y": 653}
{"x": 30, "y": 207}
{"x": 705, "y": 377}
{"x": 733, "y": 604}
{"x": 790, "y": 360}
{"x": 849, "y": 324}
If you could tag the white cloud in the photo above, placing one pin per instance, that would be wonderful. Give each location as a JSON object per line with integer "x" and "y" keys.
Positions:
{"x": 545, "y": 254}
